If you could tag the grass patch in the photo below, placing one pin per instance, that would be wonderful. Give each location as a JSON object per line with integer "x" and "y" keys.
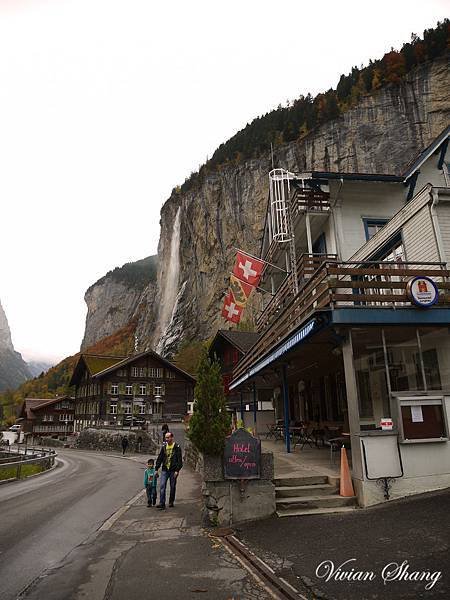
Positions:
{"x": 25, "y": 471}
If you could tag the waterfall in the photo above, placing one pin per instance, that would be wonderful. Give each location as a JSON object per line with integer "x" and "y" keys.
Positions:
{"x": 170, "y": 288}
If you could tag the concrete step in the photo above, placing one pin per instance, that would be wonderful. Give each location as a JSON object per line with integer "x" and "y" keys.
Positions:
{"x": 306, "y": 480}
{"x": 314, "y": 511}
{"x": 318, "y": 489}
{"x": 305, "y": 502}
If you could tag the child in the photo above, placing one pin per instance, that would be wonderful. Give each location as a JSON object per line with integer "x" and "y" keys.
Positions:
{"x": 150, "y": 477}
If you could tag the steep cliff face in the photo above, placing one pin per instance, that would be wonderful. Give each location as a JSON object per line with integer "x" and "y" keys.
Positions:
{"x": 13, "y": 369}
{"x": 201, "y": 228}
{"x": 122, "y": 295}
{"x": 382, "y": 135}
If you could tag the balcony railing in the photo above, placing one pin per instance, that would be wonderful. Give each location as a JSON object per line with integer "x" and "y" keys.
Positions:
{"x": 341, "y": 285}
{"x": 308, "y": 200}
{"x": 307, "y": 265}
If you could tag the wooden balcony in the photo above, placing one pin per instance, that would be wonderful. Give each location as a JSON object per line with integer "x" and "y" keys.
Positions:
{"x": 307, "y": 265}
{"x": 308, "y": 200}
{"x": 340, "y": 285}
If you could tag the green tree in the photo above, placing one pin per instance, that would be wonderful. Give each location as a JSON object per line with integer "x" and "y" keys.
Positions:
{"x": 210, "y": 423}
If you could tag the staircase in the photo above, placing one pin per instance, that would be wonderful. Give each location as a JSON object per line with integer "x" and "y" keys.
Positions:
{"x": 311, "y": 495}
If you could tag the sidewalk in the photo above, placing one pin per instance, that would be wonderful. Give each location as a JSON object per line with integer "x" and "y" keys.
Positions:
{"x": 143, "y": 552}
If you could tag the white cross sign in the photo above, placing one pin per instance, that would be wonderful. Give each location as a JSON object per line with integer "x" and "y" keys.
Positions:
{"x": 231, "y": 310}
{"x": 247, "y": 269}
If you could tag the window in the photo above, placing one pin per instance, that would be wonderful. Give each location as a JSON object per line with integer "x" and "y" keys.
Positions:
{"x": 142, "y": 372}
{"x": 142, "y": 389}
{"x": 113, "y": 409}
{"x": 129, "y": 390}
{"x": 170, "y": 374}
{"x": 114, "y": 389}
{"x": 371, "y": 226}
{"x": 66, "y": 417}
{"x": 134, "y": 372}
{"x": 141, "y": 409}
{"x": 422, "y": 418}
{"x": 127, "y": 408}
{"x": 155, "y": 372}
{"x": 158, "y": 390}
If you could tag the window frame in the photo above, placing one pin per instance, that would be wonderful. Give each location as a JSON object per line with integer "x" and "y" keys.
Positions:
{"x": 370, "y": 221}
{"x": 411, "y": 400}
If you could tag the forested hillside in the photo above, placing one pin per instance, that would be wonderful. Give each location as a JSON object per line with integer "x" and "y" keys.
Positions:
{"x": 292, "y": 122}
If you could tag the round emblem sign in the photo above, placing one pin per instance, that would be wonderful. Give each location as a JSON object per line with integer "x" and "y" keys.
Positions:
{"x": 422, "y": 291}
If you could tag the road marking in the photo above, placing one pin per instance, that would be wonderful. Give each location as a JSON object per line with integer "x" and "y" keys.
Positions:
{"x": 123, "y": 509}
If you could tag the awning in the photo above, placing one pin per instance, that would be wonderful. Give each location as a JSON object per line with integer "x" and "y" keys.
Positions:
{"x": 292, "y": 341}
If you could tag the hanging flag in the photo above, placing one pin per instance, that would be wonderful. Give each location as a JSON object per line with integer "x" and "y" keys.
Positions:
{"x": 240, "y": 290}
{"x": 231, "y": 311}
{"x": 247, "y": 268}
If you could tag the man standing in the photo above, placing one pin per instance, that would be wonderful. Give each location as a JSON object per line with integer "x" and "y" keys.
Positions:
{"x": 171, "y": 460}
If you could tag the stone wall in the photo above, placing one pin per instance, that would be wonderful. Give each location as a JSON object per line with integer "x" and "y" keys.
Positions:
{"x": 227, "y": 501}
{"x": 106, "y": 439}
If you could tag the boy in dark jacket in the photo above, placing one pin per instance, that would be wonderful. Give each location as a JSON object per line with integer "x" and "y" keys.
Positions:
{"x": 150, "y": 478}
{"x": 171, "y": 460}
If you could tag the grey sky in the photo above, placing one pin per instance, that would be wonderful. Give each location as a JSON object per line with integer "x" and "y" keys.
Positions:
{"x": 107, "y": 105}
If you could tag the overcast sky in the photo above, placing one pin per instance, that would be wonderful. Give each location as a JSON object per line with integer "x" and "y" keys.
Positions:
{"x": 106, "y": 105}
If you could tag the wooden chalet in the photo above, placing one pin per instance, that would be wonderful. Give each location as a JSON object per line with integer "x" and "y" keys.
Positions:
{"x": 111, "y": 390}
{"x": 46, "y": 417}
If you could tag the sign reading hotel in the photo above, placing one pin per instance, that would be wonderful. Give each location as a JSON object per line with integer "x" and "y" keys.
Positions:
{"x": 422, "y": 291}
{"x": 242, "y": 456}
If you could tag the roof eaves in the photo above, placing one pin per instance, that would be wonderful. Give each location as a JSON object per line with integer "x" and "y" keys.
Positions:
{"x": 425, "y": 154}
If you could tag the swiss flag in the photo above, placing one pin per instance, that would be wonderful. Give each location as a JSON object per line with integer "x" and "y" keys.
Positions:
{"x": 231, "y": 311}
{"x": 247, "y": 268}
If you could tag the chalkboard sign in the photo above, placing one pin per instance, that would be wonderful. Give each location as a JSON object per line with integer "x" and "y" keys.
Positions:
{"x": 242, "y": 456}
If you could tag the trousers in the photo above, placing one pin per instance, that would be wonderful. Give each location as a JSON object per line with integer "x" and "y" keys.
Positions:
{"x": 166, "y": 476}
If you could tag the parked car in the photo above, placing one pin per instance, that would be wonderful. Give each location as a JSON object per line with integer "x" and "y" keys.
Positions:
{"x": 15, "y": 428}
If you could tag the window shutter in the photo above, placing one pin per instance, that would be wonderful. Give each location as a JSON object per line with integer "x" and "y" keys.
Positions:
{"x": 163, "y": 389}
{"x": 122, "y": 388}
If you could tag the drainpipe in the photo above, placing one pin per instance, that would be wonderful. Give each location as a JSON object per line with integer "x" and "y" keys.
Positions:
{"x": 337, "y": 225}
{"x": 287, "y": 438}
{"x": 436, "y": 227}
{"x": 308, "y": 232}
{"x": 254, "y": 405}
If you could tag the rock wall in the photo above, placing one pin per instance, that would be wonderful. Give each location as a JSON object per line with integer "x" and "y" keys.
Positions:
{"x": 382, "y": 134}
{"x": 113, "y": 304}
{"x": 13, "y": 369}
{"x": 106, "y": 439}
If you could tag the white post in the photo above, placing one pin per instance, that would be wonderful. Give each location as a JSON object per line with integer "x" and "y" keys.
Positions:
{"x": 308, "y": 232}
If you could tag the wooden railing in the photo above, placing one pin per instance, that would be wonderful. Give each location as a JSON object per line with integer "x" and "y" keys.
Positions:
{"x": 307, "y": 200}
{"x": 345, "y": 285}
{"x": 307, "y": 265}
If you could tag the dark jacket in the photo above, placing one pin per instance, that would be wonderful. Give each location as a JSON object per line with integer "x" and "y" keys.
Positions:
{"x": 177, "y": 459}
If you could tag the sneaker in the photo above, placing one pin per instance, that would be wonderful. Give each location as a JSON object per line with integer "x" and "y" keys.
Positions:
{"x": 161, "y": 506}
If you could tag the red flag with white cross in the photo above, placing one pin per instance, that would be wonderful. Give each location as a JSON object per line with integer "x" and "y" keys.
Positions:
{"x": 231, "y": 311}
{"x": 247, "y": 268}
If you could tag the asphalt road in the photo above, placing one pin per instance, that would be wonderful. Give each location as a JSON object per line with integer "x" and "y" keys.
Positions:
{"x": 412, "y": 533}
{"x": 44, "y": 518}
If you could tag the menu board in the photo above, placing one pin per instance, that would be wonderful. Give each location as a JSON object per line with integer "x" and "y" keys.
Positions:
{"x": 242, "y": 456}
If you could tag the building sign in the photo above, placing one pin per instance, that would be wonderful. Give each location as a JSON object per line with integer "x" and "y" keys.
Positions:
{"x": 387, "y": 424}
{"x": 422, "y": 291}
{"x": 242, "y": 456}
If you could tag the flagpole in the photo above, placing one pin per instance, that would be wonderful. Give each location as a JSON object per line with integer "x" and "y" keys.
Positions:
{"x": 261, "y": 259}
{"x": 253, "y": 286}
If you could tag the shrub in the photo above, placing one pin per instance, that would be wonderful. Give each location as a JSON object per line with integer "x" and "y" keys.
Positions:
{"x": 210, "y": 423}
